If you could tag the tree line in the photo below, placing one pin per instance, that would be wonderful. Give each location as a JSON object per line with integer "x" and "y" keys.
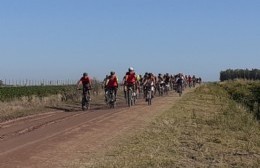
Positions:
{"x": 231, "y": 74}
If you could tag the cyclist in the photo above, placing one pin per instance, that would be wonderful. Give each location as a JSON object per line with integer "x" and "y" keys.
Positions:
{"x": 139, "y": 84}
{"x": 167, "y": 82}
{"x": 160, "y": 84}
{"x": 142, "y": 82}
{"x": 180, "y": 82}
{"x": 130, "y": 80}
{"x": 104, "y": 82}
{"x": 130, "y": 77}
{"x": 85, "y": 81}
{"x": 189, "y": 81}
{"x": 194, "y": 80}
{"x": 167, "y": 78}
{"x": 124, "y": 84}
{"x": 112, "y": 83}
{"x": 149, "y": 82}
{"x": 104, "y": 85}
{"x": 200, "y": 80}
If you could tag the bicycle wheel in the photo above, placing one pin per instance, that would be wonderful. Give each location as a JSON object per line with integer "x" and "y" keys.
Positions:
{"x": 112, "y": 99}
{"x": 134, "y": 98}
{"x": 87, "y": 101}
{"x": 149, "y": 97}
{"x": 84, "y": 103}
{"x": 129, "y": 98}
{"x": 180, "y": 91}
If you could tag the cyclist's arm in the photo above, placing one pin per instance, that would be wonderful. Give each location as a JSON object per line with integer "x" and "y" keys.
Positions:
{"x": 125, "y": 80}
{"x": 106, "y": 83}
{"x": 154, "y": 80}
{"x": 79, "y": 83}
{"x": 145, "y": 81}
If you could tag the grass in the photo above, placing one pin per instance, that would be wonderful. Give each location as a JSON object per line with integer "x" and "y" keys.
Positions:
{"x": 204, "y": 129}
{"x": 21, "y": 108}
{"x": 245, "y": 92}
{"x": 25, "y": 106}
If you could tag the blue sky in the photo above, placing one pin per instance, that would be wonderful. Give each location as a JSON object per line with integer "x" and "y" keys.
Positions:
{"x": 61, "y": 39}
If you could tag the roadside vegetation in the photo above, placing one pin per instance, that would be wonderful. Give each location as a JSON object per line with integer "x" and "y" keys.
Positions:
{"x": 12, "y": 93}
{"x": 23, "y": 101}
{"x": 204, "y": 129}
{"x": 246, "y": 93}
{"x": 8, "y": 94}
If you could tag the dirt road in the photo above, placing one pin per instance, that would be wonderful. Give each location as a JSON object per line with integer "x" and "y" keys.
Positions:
{"x": 57, "y": 138}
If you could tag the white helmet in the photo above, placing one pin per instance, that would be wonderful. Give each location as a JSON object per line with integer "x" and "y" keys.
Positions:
{"x": 131, "y": 69}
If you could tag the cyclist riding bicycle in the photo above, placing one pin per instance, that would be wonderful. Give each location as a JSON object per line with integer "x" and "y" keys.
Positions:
{"x": 160, "y": 83}
{"x": 180, "y": 80}
{"x": 167, "y": 78}
{"x": 130, "y": 79}
{"x": 112, "y": 83}
{"x": 160, "y": 79}
{"x": 194, "y": 80}
{"x": 104, "y": 85}
{"x": 149, "y": 83}
{"x": 85, "y": 81}
{"x": 142, "y": 82}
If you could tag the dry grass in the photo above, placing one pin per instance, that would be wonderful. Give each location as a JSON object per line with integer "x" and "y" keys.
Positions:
{"x": 20, "y": 108}
{"x": 204, "y": 129}
{"x": 26, "y": 106}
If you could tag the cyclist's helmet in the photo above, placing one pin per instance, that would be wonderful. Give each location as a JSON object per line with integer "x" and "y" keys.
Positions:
{"x": 150, "y": 75}
{"x": 85, "y": 74}
{"x": 112, "y": 73}
{"x": 130, "y": 69}
{"x": 146, "y": 74}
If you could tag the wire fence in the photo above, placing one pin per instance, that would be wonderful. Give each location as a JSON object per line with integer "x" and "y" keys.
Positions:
{"x": 26, "y": 82}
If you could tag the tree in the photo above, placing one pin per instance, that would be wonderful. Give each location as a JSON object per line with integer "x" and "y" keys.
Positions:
{"x": 247, "y": 74}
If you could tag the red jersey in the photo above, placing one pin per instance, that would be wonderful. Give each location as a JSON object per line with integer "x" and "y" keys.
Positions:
{"x": 112, "y": 82}
{"x": 131, "y": 78}
{"x": 85, "y": 81}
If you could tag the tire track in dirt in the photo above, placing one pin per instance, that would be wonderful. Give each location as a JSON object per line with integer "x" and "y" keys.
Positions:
{"x": 37, "y": 139}
{"x": 30, "y": 123}
{"x": 15, "y": 130}
{"x": 36, "y": 123}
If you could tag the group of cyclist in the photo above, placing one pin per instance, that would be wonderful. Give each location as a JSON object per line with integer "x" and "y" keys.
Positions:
{"x": 140, "y": 84}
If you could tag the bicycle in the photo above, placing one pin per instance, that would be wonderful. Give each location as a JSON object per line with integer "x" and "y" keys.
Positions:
{"x": 167, "y": 88}
{"x": 131, "y": 96}
{"x": 85, "y": 101}
{"x": 161, "y": 88}
{"x": 179, "y": 90}
{"x": 111, "y": 98}
{"x": 148, "y": 90}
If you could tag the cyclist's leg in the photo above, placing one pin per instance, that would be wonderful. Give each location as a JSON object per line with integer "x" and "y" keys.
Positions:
{"x": 105, "y": 94}
{"x": 116, "y": 93}
{"x": 152, "y": 91}
{"x": 135, "y": 88}
{"x": 89, "y": 94}
{"x": 125, "y": 90}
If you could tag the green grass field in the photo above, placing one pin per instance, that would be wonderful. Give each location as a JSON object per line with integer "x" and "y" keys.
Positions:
{"x": 12, "y": 93}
